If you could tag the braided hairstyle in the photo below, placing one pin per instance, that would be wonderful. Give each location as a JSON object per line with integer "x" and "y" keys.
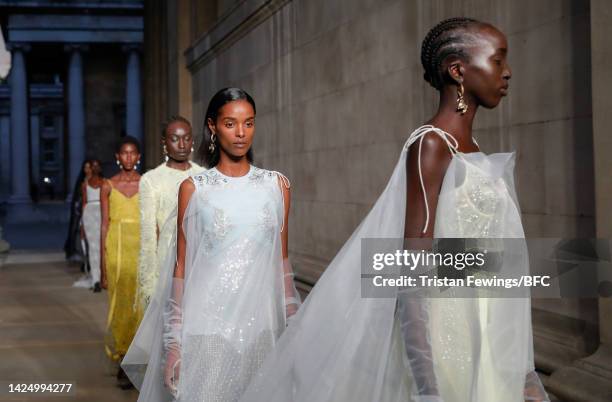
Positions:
{"x": 445, "y": 39}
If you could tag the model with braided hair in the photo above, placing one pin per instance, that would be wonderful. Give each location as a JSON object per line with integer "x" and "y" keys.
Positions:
{"x": 414, "y": 343}
{"x": 472, "y": 348}
{"x": 465, "y": 61}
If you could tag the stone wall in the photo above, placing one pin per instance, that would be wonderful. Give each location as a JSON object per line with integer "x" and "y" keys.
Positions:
{"x": 170, "y": 28}
{"x": 339, "y": 88}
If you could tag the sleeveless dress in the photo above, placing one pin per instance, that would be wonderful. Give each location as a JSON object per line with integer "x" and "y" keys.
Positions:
{"x": 233, "y": 298}
{"x": 91, "y": 224}
{"x": 477, "y": 353}
{"x": 122, "y": 247}
{"x": 237, "y": 273}
{"x": 342, "y": 346}
{"x": 158, "y": 192}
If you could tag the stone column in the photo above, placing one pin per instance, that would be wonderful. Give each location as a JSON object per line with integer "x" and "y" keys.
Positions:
{"x": 133, "y": 94}
{"x": 590, "y": 378}
{"x": 20, "y": 166}
{"x": 76, "y": 114}
{"x": 155, "y": 77}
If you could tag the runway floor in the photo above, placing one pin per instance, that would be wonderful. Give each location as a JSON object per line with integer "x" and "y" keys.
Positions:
{"x": 51, "y": 332}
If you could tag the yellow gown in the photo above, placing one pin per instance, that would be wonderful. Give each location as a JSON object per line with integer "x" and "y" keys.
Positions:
{"x": 122, "y": 248}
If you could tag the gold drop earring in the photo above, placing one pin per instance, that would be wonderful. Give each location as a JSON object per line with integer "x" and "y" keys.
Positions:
{"x": 462, "y": 106}
{"x": 211, "y": 147}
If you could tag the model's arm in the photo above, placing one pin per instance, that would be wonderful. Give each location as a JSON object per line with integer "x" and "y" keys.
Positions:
{"x": 292, "y": 297}
{"x": 434, "y": 161}
{"x": 418, "y": 233}
{"x": 147, "y": 261}
{"x": 186, "y": 190}
{"x": 173, "y": 312}
{"x": 104, "y": 208}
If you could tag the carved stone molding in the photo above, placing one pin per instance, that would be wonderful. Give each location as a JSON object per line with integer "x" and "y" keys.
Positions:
{"x": 238, "y": 22}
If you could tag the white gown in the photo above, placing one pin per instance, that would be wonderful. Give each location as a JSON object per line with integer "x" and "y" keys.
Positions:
{"x": 91, "y": 225}
{"x": 235, "y": 295}
{"x": 341, "y": 346}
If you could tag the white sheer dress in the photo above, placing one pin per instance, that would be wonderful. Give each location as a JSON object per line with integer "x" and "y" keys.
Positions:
{"x": 341, "y": 346}
{"x": 225, "y": 317}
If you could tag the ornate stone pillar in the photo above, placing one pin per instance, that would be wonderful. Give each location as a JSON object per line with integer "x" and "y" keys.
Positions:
{"x": 20, "y": 158}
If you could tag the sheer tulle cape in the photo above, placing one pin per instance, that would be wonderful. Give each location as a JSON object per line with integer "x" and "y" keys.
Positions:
{"x": 233, "y": 305}
{"x": 338, "y": 346}
{"x": 342, "y": 347}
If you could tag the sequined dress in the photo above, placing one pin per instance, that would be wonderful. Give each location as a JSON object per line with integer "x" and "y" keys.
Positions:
{"x": 237, "y": 294}
{"x": 346, "y": 346}
{"x": 480, "y": 343}
{"x": 233, "y": 306}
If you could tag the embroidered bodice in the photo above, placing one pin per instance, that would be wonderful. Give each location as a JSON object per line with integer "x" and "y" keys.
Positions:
{"x": 228, "y": 214}
{"x": 481, "y": 201}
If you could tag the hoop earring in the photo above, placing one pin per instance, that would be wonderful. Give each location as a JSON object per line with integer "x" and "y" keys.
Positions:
{"x": 119, "y": 164}
{"x": 462, "y": 107}
{"x": 165, "y": 154}
{"x": 211, "y": 147}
